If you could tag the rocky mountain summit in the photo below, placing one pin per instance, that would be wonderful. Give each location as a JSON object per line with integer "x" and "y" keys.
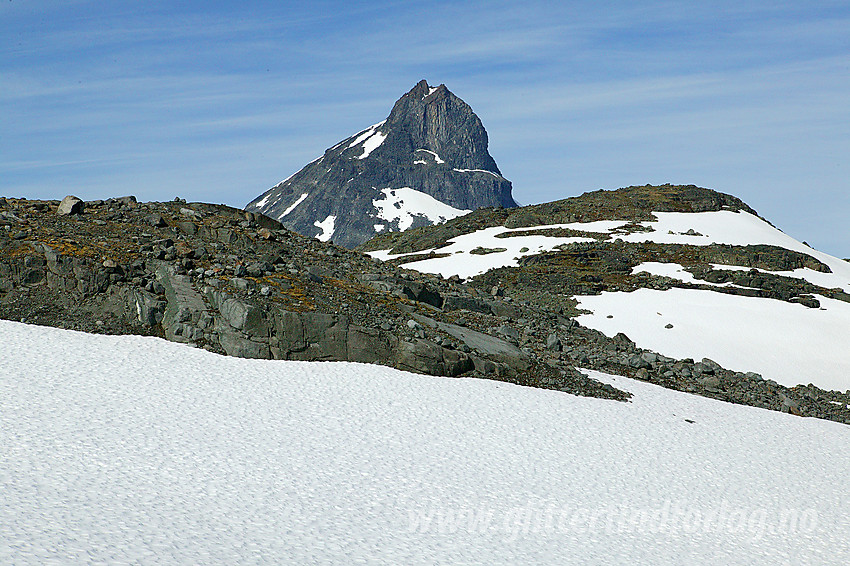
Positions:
{"x": 238, "y": 283}
{"x": 426, "y": 163}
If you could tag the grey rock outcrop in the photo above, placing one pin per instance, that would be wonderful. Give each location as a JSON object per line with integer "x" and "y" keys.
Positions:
{"x": 431, "y": 142}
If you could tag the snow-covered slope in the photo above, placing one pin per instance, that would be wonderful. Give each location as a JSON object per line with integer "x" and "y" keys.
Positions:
{"x": 786, "y": 342}
{"x": 135, "y": 450}
{"x": 789, "y": 343}
{"x": 720, "y": 227}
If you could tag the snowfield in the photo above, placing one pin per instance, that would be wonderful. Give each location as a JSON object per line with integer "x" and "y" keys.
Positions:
{"x": 404, "y": 204}
{"x": 741, "y": 229}
{"x": 675, "y": 271}
{"x": 136, "y": 450}
{"x": 838, "y": 279}
{"x": 788, "y": 343}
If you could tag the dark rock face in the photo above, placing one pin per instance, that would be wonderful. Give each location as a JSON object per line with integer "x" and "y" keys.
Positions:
{"x": 431, "y": 142}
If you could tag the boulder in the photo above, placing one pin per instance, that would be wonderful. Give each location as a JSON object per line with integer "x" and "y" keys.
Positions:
{"x": 649, "y": 357}
{"x": 129, "y": 201}
{"x": 501, "y": 309}
{"x": 316, "y": 274}
{"x": 421, "y": 293}
{"x": 187, "y": 227}
{"x": 70, "y": 205}
{"x": 622, "y": 341}
{"x": 465, "y": 302}
{"x": 312, "y": 336}
{"x": 490, "y": 346}
{"x": 156, "y": 220}
{"x": 32, "y": 277}
{"x": 420, "y": 356}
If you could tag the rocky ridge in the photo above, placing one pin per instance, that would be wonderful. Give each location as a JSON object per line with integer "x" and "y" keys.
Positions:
{"x": 238, "y": 283}
{"x": 551, "y": 279}
{"x": 606, "y": 264}
{"x": 431, "y": 142}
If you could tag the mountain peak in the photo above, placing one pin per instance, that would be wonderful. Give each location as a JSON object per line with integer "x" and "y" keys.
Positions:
{"x": 428, "y": 161}
{"x": 423, "y": 90}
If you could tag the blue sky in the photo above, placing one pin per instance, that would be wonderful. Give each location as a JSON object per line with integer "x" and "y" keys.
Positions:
{"x": 217, "y": 101}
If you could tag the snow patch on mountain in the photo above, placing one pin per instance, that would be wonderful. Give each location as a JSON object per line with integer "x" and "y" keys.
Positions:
{"x": 404, "y": 204}
{"x": 740, "y": 229}
{"x": 371, "y": 144}
{"x": 146, "y": 451}
{"x": 477, "y": 171}
{"x": 787, "y": 342}
{"x": 265, "y": 200}
{"x": 362, "y": 136}
{"x": 726, "y": 227}
{"x": 327, "y": 228}
{"x": 292, "y": 206}
{"x": 716, "y": 227}
{"x": 437, "y": 158}
{"x": 371, "y": 139}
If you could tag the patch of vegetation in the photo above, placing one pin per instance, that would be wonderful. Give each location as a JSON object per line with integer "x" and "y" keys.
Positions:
{"x": 554, "y": 233}
{"x": 484, "y": 251}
